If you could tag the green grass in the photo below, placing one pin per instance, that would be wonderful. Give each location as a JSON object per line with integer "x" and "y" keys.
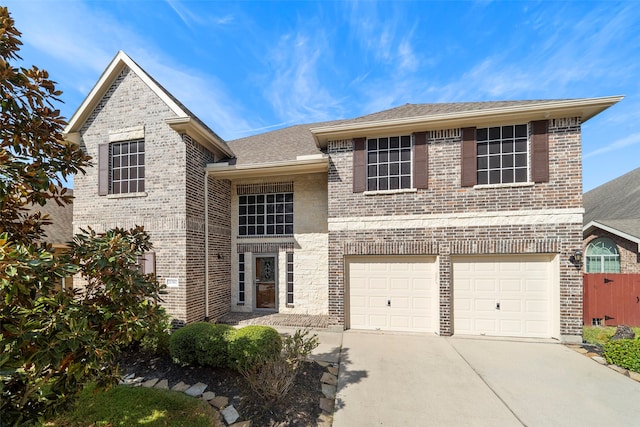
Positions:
{"x": 136, "y": 406}
{"x": 601, "y": 334}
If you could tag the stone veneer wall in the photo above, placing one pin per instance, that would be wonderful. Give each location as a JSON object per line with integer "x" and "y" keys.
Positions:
{"x": 449, "y": 220}
{"x": 162, "y": 209}
{"x": 629, "y": 255}
{"x": 309, "y": 245}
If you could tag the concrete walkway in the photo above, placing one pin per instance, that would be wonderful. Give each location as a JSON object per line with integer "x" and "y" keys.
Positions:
{"x": 401, "y": 379}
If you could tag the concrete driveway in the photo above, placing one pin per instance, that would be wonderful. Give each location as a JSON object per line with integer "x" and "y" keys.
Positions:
{"x": 424, "y": 380}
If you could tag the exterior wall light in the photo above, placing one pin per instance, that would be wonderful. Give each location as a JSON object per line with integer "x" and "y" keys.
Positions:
{"x": 576, "y": 258}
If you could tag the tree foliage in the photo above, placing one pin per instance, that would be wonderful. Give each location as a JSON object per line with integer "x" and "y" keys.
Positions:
{"x": 53, "y": 342}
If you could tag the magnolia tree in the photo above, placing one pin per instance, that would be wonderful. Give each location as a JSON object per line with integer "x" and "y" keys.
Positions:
{"x": 53, "y": 342}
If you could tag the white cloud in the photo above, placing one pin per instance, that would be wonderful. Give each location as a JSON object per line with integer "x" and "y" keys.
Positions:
{"x": 296, "y": 91}
{"x": 86, "y": 47}
{"x": 620, "y": 144}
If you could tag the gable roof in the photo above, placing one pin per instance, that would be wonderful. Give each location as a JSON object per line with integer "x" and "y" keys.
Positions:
{"x": 615, "y": 207}
{"x": 184, "y": 122}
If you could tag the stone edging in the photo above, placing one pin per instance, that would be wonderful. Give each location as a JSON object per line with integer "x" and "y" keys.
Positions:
{"x": 329, "y": 382}
{"x": 601, "y": 360}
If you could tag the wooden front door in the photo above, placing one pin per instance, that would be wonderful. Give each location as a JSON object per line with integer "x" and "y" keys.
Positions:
{"x": 265, "y": 282}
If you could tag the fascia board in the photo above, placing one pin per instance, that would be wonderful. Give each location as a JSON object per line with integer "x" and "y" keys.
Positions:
{"x": 595, "y": 224}
{"x": 585, "y": 108}
{"x": 293, "y": 167}
{"x": 112, "y": 71}
{"x": 194, "y": 129}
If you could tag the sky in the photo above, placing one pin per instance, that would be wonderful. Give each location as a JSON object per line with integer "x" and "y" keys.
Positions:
{"x": 246, "y": 67}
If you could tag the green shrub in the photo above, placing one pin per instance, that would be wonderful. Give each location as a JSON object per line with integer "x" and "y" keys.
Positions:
{"x": 251, "y": 345}
{"x": 200, "y": 343}
{"x": 211, "y": 347}
{"x": 624, "y": 353}
{"x": 156, "y": 339}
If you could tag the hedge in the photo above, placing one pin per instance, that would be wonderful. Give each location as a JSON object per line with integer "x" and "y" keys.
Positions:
{"x": 624, "y": 353}
{"x": 253, "y": 344}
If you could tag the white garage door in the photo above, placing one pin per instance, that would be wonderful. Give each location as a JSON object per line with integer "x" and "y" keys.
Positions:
{"x": 393, "y": 293}
{"x": 503, "y": 296}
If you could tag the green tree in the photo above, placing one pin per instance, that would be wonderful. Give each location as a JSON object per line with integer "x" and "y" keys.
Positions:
{"x": 52, "y": 342}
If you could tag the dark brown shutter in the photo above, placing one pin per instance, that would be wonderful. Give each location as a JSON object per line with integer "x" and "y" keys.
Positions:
{"x": 103, "y": 169}
{"x": 420, "y": 160}
{"x": 469, "y": 165}
{"x": 359, "y": 165}
{"x": 540, "y": 151}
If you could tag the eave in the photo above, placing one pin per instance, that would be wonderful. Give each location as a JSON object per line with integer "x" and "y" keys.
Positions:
{"x": 585, "y": 108}
{"x": 302, "y": 165}
{"x": 595, "y": 224}
{"x": 193, "y": 128}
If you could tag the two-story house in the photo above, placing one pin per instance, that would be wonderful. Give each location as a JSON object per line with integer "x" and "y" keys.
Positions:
{"x": 458, "y": 218}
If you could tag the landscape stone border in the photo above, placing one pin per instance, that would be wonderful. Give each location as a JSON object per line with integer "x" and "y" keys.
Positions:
{"x": 228, "y": 413}
{"x": 601, "y": 360}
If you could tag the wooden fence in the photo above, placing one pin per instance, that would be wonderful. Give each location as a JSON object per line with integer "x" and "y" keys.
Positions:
{"x": 613, "y": 298}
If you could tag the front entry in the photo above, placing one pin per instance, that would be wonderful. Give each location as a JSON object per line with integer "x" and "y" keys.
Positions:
{"x": 265, "y": 279}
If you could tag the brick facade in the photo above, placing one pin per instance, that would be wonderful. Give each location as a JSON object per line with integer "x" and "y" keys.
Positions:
{"x": 440, "y": 220}
{"x": 171, "y": 208}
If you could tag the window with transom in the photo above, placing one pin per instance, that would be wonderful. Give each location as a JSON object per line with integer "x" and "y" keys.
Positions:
{"x": 602, "y": 256}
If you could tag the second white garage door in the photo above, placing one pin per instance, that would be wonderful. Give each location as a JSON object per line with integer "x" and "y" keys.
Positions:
{"x": 393, "y": 293}
{"x": 504, "y": 296}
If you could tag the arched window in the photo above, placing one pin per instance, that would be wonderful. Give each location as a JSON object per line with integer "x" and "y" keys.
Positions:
{"x": 603, "y": 256}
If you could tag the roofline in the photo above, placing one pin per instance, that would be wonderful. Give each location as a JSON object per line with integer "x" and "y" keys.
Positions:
{"x": 114, "y": 68}
{"x": 586, "y": 108}
{"x": 201, "y": 134}
{"x": 302, "y": 165}
{"x": 596, "y": 224}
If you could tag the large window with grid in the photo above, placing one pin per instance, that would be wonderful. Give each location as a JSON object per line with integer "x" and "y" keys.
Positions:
{"x": 126, "y": 167}
{"x": 265, "y": 214}
{"x": 389, "y": 163}
{"x": 602, "y": 256}
{"x": 503, "y": 154}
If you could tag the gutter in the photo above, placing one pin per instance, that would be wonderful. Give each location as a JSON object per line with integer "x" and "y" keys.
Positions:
{"x": 206, "y": 245}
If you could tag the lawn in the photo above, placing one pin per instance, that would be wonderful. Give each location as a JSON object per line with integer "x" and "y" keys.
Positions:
{"x": 131, "y": 406}
{"x": 601, "y": 334}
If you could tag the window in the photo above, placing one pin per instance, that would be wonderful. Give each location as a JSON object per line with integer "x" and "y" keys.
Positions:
{"x": 241, "y": 279}
{"x": 602, "y": 256}
{"x": 126, "y": 167}
{"x": 389, "y": 163}
{"x": 265, "y": 214}
{"x": 502, "y": 154}
{"x": 289, "y": 277}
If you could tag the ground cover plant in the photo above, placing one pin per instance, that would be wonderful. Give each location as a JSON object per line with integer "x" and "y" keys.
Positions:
{"x": 599, "y": 335}
{"x": 131, "y": 406}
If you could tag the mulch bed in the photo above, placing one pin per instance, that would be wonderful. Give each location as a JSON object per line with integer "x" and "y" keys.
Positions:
{"x": 299, "y": 408}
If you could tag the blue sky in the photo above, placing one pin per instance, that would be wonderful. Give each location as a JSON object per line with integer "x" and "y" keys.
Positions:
{"x": 248, "y": 67}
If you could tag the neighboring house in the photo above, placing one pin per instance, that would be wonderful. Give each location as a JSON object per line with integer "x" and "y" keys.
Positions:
{"x": 611, "y": 229}
{"x": 60, "y": 232}
{"x": 454, "y": 218}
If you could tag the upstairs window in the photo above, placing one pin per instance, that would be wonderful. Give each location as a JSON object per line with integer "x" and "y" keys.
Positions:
{"x": 602, "y": 256}
{"x": 126, "y": 167}
{"x": 265, "y": 214}
{"x": 502, "y": 154}
{"x": 389, "y": 163}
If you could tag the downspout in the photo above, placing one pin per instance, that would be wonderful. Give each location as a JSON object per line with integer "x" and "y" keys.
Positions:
{"x": 206, "y": 245}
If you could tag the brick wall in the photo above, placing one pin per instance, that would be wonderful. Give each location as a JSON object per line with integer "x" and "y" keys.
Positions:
{"x": 171, "y": 208}
{"x": 438, "y": 217}
{"x": 629, "y": 255}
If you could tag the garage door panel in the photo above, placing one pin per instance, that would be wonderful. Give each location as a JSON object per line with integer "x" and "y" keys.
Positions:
{"x": 522, "y": 287}
{"x": 410, "y": 285}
